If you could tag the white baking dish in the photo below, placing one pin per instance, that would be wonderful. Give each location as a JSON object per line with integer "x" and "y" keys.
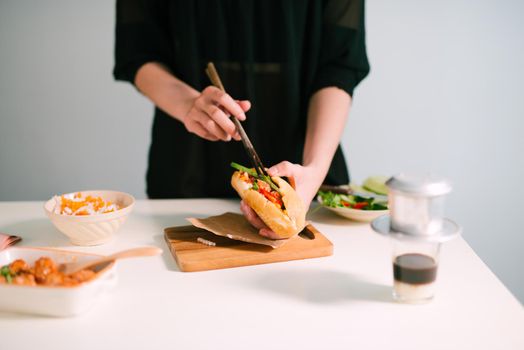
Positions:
{"x": 53, "y": 301}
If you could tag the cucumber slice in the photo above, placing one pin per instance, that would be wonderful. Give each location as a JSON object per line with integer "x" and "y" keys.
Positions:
{"x": 376, "y": 184}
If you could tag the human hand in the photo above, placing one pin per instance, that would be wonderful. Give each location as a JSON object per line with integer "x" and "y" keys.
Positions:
{"x": 305, "y": 179}
{"x": 208, "y": 117}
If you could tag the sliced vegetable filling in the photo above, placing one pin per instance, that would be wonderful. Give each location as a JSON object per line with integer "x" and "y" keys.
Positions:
{"x": 260, "y": 185}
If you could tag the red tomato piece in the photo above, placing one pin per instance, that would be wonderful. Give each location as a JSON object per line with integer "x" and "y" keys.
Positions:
{"x": 360, "y": 205}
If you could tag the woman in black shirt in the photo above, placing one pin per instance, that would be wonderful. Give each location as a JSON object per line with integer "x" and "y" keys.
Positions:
{"x": 292, "y": 64}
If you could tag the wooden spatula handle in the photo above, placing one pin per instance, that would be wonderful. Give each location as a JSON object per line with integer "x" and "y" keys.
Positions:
{"x": 131, "y": 253}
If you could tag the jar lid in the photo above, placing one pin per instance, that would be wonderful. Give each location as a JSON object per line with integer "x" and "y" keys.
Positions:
{"x": 424, "y": 185}
{"x": 450, "y": 230}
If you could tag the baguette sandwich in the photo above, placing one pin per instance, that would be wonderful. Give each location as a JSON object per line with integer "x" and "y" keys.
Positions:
{"x": 274, "y": 200}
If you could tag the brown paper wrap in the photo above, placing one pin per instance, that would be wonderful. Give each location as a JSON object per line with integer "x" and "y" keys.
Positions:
{"x": 235, "y": 226}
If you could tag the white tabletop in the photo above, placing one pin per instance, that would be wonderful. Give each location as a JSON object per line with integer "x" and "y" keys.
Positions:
{"x": 339, "y": 302}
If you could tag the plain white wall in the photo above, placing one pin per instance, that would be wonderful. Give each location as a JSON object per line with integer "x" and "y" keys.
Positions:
{"x": 65, "y": 124}
{"x": 444, "y": 95}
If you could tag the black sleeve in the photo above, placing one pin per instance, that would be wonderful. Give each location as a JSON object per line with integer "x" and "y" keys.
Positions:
{"x": 141, "y": 36}
{"x": 343, "y": 60}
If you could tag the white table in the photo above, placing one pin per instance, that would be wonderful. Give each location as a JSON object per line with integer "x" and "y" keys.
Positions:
{"x": 338, "y": 302}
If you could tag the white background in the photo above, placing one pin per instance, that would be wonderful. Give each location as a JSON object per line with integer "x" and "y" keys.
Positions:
{"x": 444, "y": 95}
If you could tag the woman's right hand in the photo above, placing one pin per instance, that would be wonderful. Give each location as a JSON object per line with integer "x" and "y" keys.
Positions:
{"x": 208, "y": 117}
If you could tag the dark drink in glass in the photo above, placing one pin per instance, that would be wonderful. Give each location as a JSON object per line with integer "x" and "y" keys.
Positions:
{"x": 414, "y": 270}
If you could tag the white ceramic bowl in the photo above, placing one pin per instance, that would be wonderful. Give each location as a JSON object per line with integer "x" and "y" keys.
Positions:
{"x": 88, "y": 230}
{"x": 356, "y": 214}
{"x": 53, "y": 301}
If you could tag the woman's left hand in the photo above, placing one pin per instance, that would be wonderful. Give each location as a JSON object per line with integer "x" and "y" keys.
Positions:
{"x": 306, "y": 179}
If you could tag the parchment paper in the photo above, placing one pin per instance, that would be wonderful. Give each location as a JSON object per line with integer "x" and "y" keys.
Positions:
{"x": 235, "y": 226}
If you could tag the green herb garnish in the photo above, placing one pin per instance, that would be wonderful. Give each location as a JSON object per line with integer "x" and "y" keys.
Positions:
{"x": 6, "y": 272}
{"x": 239, "y": 167}
{"x": 253, "y": 173}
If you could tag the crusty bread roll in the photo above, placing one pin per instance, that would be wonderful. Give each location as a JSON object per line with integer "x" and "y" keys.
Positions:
{"x": 285, "y": 223}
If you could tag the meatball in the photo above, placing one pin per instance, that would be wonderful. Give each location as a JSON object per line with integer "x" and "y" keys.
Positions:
{"x": 43, "y": 267}
{"x": 24, "y": 279}
{"x": 18, "y": 266}
{"x": 54, "y": 279}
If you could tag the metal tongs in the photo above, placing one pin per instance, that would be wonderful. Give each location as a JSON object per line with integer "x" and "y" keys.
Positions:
{"x": 8, "y": 240}
{"x": 348, "y": 191}
{"x": 248, "y": 146}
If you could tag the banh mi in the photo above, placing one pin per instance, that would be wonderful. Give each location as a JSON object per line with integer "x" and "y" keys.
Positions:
{"x": 279, "y": 207}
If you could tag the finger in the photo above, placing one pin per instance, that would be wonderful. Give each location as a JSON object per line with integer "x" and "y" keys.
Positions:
{"x": 207, "y": 135}
{"x": 202, "y": 132}
{"x": 211, "y": 126}
{"x": 220, "y": 118}
{"x": 284, "y": 168}
{"x": 266, "y": 232}
{"x": 245, "y": 105}
{"x": 199, "y": 130}
{"x": 223, "y": 99}
{"x": 251, "y": 216}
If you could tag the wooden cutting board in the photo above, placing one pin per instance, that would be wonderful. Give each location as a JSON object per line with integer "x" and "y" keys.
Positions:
{"x": 192, "y": 255}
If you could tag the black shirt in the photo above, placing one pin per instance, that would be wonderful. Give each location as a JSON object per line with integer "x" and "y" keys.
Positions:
{"x": 275, "y": 53}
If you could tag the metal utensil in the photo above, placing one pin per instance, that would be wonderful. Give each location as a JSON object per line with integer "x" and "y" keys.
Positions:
{"x": 248, "y": 146}
{"x": 8, "y": 240}
{"x": 336, "y": 189}
{"x": 350, "y": 192}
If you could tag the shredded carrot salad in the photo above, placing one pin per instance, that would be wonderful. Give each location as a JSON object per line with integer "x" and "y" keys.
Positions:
{"x": 83, "y": 205}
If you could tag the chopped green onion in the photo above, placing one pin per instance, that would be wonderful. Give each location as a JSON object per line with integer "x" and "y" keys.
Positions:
{"x": 253, "y": 173}
{"x": 271, "y": 183}
{"x": 239, "y": 167}
{"x": 6, "y": 272}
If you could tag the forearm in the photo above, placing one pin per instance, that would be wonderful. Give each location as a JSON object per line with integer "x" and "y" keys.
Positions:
{"x": 327, "y": 114}
{"x": 166, "y": 91}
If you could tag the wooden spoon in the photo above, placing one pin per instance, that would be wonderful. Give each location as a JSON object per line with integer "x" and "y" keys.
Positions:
{"x": 70, "y": 268}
